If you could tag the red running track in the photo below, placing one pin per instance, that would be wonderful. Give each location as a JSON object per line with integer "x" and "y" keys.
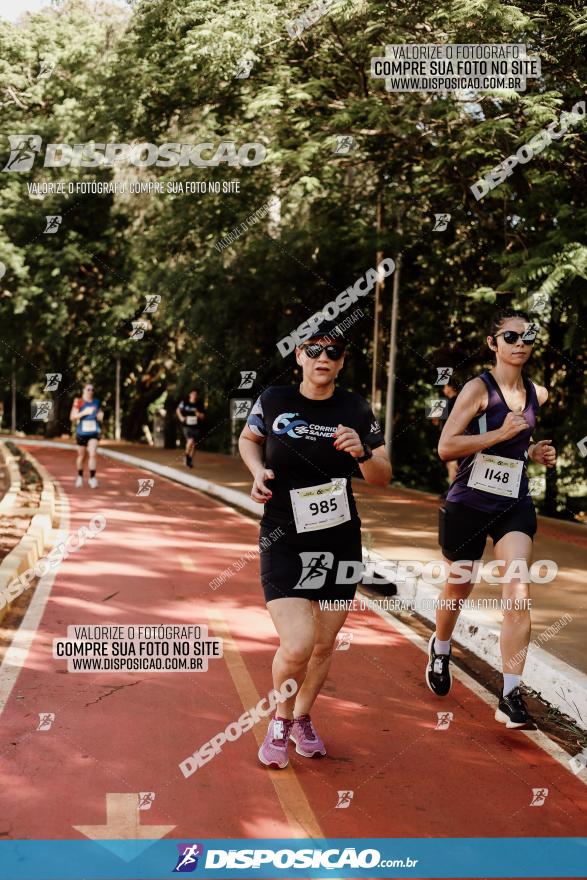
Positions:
{"x": 127, "y": 733}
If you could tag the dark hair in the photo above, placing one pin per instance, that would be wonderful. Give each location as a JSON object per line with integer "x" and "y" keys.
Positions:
{"x": 193, "y": 391}
{"x": 503, "y": 315}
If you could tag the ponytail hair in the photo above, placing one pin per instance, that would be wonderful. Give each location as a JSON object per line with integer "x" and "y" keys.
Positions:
{"x": 503, "y": 315}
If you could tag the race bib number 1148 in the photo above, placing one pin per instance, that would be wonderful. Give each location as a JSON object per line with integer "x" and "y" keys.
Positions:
{"x": 496, "y": 474}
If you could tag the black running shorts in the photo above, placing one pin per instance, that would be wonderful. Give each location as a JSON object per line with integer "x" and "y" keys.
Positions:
{"x": 463, "y": 530}
{"x": 192, "y": 433}
{"x": 82, "y": 440}
{"x": 310, "y": 565}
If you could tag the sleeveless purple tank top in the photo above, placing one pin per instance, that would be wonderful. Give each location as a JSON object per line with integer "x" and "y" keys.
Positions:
{"x": 516, "y": 447}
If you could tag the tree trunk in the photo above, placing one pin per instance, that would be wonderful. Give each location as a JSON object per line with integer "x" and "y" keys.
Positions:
{"x": 132, "y": 423}
{"x": 170, "y": 429}
{"x": 62, "y": 399}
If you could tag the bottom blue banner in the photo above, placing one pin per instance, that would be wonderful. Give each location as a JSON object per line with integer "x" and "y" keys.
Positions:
{"x": 274, "y": 858}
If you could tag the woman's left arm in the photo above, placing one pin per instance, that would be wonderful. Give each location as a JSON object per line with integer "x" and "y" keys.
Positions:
{"x": 377, "y": 470}
{"x": 542, "y": 452}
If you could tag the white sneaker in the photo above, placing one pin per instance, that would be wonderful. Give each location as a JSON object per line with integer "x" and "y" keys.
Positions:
{"x": 93, "y": 482}
{"x": 79, "y": 481}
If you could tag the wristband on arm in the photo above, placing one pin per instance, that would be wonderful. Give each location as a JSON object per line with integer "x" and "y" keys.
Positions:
{"x": 368, "y": 453}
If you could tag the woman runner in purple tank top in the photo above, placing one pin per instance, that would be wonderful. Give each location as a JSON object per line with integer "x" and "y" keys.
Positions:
{"x": 490, "y": 431}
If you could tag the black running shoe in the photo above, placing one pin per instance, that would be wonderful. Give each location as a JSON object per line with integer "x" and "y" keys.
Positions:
{"x": 188, "y": 461}
{"x": 438, "y": 677}
{"x": 512, "y": 710}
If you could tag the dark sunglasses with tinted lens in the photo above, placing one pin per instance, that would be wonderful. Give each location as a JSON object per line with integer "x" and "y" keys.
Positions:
{"x": 528, "y": 337}
{"x": 314, "y": 350}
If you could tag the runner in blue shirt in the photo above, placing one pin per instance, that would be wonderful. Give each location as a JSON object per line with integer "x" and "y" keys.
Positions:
{"x": 87, "y": 415}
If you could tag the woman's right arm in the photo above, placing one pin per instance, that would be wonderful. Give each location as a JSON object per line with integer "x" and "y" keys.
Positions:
{"x": 251, "y": 449}
{"x": 471, "y": 402}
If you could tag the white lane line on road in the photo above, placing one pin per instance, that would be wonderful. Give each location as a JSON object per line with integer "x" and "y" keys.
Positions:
{"x": 17, "y": 653}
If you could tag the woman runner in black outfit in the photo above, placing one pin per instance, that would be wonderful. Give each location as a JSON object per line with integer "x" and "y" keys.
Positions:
{"x": 191, "y": 414}
{"x": 302, "y": 444}
{"x": 490, "y": 432}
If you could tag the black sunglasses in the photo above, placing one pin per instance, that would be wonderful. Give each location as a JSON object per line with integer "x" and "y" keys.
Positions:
{"x": 314, "y": 350}
{"x": 528, "y": 337}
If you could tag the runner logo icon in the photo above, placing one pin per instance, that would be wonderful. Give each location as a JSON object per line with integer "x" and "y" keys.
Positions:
{"x": 187, "y": 860}
{"x": 152, "y": 303}
{"x": 41, "y": 410}
{"x": 444, "y": 374}
{"x": 441, "y": 222}
{"x": 52, "y": 223}
{"x": 315, "y": 566}
{"x": 53, "y": 380}
{"x": 46, "y": 719}
{"x": 444, "y": 719}
{"x": 146, "y": 799}
{"x": 343, "y": 641}
{"x": 437, "y": 409}
{"x": 247, "y": 379}
{"x": 539, "y": 796}
{"x": 344, "y": 800}
{"x": 23, "y": 150}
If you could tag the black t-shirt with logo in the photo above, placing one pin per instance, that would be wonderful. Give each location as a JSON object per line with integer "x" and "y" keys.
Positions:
{"x": 299, "y": 445}
{"x": 190, "y": 411}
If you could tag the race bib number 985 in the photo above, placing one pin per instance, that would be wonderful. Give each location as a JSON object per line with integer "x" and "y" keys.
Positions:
{"x": 320, "y": 507}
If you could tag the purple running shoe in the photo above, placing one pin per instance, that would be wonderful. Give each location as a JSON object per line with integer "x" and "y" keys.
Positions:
{"x": 273, "y": 751}
{"x": 307, "y": 741}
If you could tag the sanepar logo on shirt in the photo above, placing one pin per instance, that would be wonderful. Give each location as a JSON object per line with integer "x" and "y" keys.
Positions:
{"x": 288, "y": 423}
{"x": 293, "y": 426}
